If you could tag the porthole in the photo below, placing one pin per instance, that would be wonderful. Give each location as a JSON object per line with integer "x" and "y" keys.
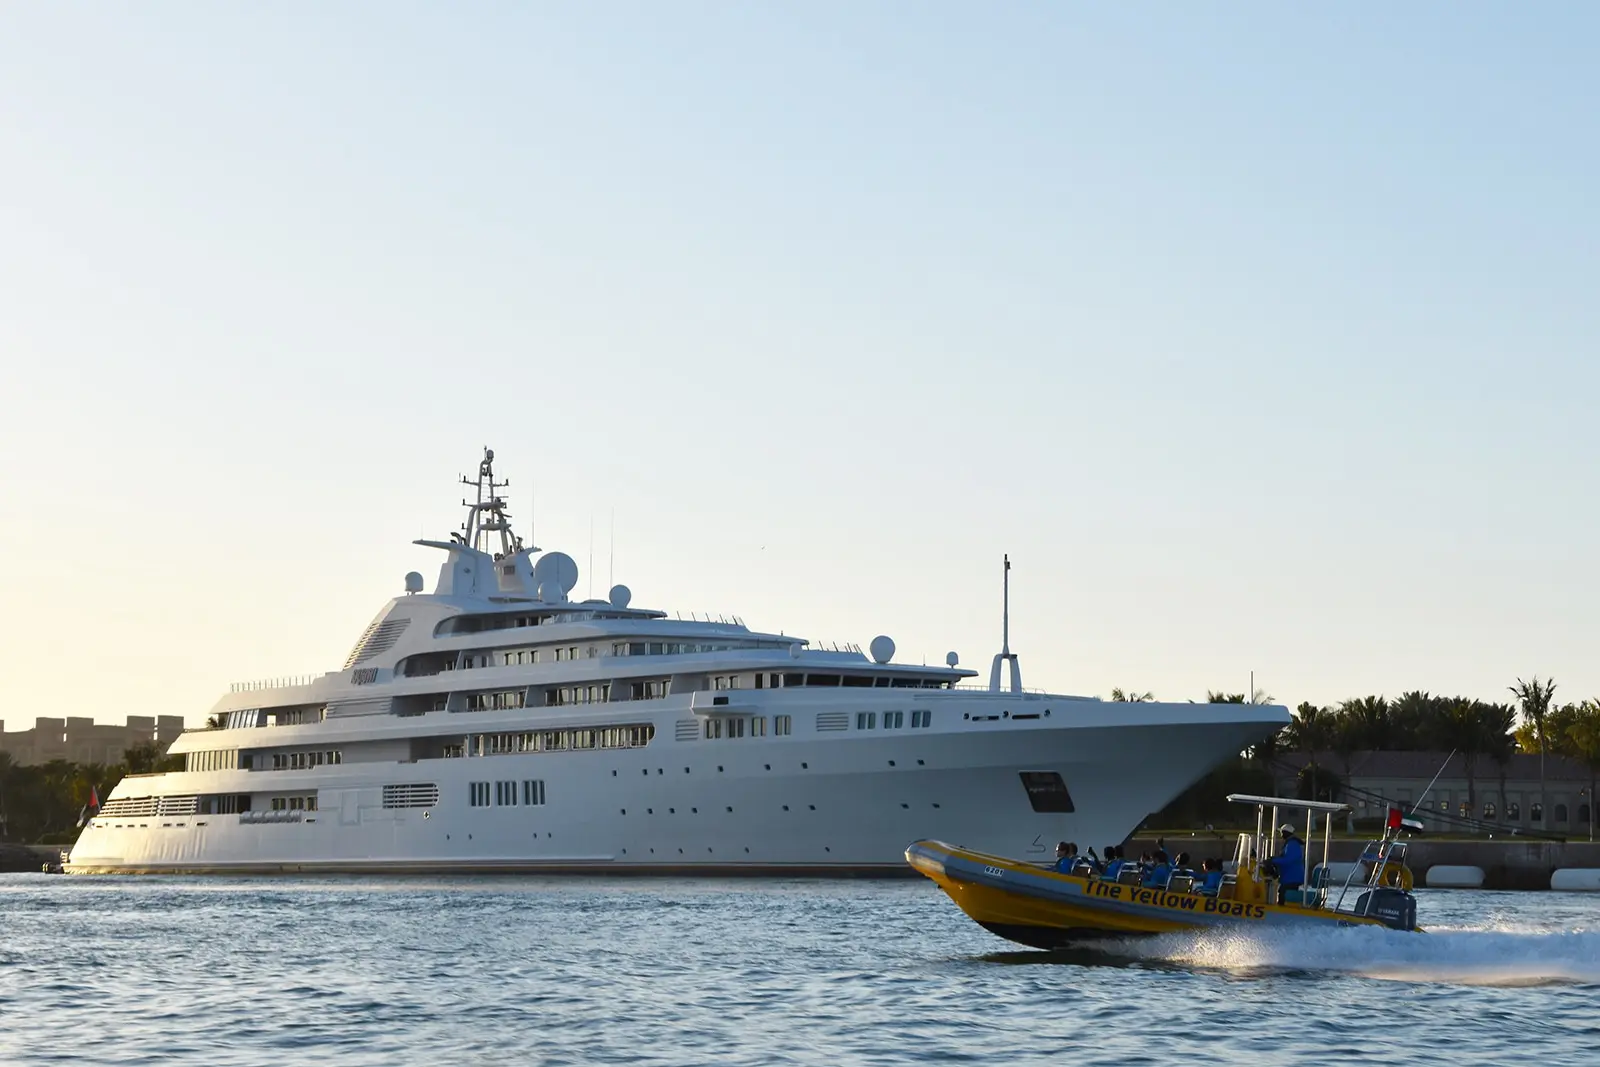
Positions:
{"x": 649, "y": 811}
{"x": 645, "y": 771}
{"x": 768, "y": 766}
{"x": 966, "y": 715}
{"x": 719, "y": 768}
{"x": 805, "y": 766}
{"x": 694, "y": 811}
{"x": 786, "y": 807}
{"x": 730, "y": 811}
{"x": 613, "y": 774}
{"x": 891, "y": 763}
{"x": 813, "y": 807}
{"x": 905, "y": 805}
{"x": 672, "y": 811}
{"x": 920, "y": 763}
{"x": 624, "y": 811}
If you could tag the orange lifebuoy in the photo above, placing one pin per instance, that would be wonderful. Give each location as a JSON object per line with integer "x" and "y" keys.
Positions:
{"x": 1395, "y": 875}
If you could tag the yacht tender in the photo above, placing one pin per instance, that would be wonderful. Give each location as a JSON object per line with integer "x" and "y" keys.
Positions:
{"x": 497, "y": 725}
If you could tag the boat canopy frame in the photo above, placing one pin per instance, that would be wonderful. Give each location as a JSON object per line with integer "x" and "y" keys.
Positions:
{"x": 1259, "y": 845}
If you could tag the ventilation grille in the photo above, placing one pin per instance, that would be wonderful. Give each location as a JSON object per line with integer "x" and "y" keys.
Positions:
{"x": 179, "y": 805}
{"x": 687, "y": 730}
{"x": 129, "y": 808}
{"x": 833, "y": 720}
{"x": 379, "y": 637}
{"x": 410, "y": 796}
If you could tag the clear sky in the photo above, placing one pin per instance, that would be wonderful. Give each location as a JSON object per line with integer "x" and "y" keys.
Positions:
{"x": 1261, "y": 336}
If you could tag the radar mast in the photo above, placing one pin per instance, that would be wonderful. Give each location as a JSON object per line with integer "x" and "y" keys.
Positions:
{"x": 487, "y": 514}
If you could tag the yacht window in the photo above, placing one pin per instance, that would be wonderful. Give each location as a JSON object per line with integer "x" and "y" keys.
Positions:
{"x": 921, "y": 719}
{"x": 479, "y": 792}
{"x": 735, "y": 727}
{"x": 893, "y": 720}
{"x": 781, "y": 725}
{"x": 533, "y": 792}
{"x": 822, "y": 679}
{"x": 713, "y": 729}
{"x": 858, "y": 680}
{"x": 866, "y": 720}
{"x": 1047, "y": 792}
{"x": 758, "y": 724}
{"x": 793, "y": 679}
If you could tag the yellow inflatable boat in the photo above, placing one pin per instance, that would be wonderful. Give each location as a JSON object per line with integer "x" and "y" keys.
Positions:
{"x": 1043, "y": 908}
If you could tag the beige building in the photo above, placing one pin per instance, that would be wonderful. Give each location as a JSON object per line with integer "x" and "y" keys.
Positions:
{"x": 1505, "y": 798}
{"x": 82, "y": 740}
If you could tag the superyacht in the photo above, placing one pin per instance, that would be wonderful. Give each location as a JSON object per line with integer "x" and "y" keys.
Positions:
{"x": 495, "y": 724}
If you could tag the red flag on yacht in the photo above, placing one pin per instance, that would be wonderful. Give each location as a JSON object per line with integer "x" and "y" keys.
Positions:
{"x": 94, "y": 799}
{"x": 1394, "y": 818}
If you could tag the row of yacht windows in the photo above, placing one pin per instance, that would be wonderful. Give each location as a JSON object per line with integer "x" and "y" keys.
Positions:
{"x": 300, "y": 761}
{"x": 295, "y": 803}
{"x": 736, "y": 726}
{"x": 630, "y": 736}
{"x": 220, "y": 760}
{"x": 893, "y": 720}
{"x": 508, "y": 794}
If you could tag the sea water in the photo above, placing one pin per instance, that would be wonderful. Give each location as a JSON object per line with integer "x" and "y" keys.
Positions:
{"x": 345, "y": 971}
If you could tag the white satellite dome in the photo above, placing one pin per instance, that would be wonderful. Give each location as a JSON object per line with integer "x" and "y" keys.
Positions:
{"x": 413, "y": 582}
{"x": 882, "y": 649}
{"x": 620, "y": 596}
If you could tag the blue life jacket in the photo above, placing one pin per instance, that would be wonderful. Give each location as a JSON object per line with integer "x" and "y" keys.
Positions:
{"x": 1157, "y": 876}
{"x": 1291, "y": 864}
{"x": 1065, "y": 864}
{"x": 1112, "y": 868}
{"x": 1212, "y": 883}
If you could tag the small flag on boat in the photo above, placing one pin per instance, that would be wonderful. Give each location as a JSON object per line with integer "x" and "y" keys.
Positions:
{"x": 1394, "y": 818}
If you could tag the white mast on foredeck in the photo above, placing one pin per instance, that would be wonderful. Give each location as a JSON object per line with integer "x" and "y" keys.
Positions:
{"x": 1005, "y": 655}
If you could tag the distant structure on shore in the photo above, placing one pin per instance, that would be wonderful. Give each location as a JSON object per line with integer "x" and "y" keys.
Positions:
{"x": 1506, "y": 795}
{"x": 82, "y": 740}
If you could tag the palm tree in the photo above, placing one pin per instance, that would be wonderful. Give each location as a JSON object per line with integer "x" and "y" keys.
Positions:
{"x": 1583, "y": 735}
{"x": 1497, "y": 721}
{"x": 1220, "y": 697}
{"x": 1131, "y": 696}
{"x": 1309, "y": 733}
{"x": 1535, "y": 700}
{"x": 1369, "y": 721}
{"x": 1461, "y": 728}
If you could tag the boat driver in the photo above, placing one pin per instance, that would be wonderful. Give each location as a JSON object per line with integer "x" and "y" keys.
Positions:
{"x": 1289, "y": 865}
{"x": 1066, "y": 856}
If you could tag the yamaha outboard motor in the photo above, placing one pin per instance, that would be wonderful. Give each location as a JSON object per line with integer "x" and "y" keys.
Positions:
{"x": 1395, "y": 908}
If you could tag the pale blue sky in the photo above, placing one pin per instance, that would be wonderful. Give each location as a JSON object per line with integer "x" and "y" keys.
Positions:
{"x": 1260, "y": 337}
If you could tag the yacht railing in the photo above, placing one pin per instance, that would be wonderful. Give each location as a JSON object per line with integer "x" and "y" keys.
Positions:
{"x": 273, "y": 683}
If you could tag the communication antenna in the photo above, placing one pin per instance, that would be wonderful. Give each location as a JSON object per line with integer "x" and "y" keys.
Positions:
{"x": 591, "y": 555}
{"x": 1005, "y": 655}
{"x": 611, "y": 569}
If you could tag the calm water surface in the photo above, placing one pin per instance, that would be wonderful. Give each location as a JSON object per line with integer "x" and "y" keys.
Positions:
{"x": 638, "y": 971}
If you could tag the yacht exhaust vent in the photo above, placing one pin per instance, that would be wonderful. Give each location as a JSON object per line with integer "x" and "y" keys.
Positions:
{"x": 179, "y": 805}
{"x": 833, "y": 720}
{"x": 687, "y": 730}
{"x": 411, "y": 795}
{"x": 379, "y": 637}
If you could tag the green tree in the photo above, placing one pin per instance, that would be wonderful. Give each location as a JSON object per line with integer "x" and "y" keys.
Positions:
{"x": 1583, "y": 735}
{"x": 1535, "y": 701}
{"x": 1131, "y": 696}
{"x": 1309, "y": 733}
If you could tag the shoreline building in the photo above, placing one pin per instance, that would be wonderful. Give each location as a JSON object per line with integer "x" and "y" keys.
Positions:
{"x": 79, "y": 739}
{"x": 1506, "y": 796}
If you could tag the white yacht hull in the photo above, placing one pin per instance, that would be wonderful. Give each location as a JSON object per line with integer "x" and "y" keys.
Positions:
{"x": 814, "y": 802}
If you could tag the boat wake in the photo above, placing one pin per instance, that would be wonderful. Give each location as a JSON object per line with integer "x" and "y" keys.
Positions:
{"x": 1488, "y": 955}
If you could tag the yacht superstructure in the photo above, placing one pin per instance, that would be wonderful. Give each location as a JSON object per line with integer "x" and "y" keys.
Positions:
{"x": 496, "y": 724}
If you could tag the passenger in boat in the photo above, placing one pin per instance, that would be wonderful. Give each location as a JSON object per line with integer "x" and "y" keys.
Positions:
{"x": 1114, "y": 863}
{"x": 1089, "y": 864}
{"x": 1289, "y": 865}
{"x": 1211, "y": 884}
{"x": 1160, "y": 870}
{"x": 1066, "y": 856}
{"x": 1183, "y": 865}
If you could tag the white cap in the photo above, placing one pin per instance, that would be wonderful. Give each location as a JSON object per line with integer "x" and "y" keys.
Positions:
{"x": 1286, "y": 828}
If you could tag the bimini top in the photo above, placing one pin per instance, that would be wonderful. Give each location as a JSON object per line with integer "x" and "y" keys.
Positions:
{"x": 1287, "y": 802}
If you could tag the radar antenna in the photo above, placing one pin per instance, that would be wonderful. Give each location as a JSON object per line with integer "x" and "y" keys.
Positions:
{"x": 1005, "y": 655}
{"x": 487, "y": 514}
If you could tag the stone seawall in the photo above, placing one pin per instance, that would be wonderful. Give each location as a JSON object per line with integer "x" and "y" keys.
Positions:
{"x": 1513, "y": 864}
